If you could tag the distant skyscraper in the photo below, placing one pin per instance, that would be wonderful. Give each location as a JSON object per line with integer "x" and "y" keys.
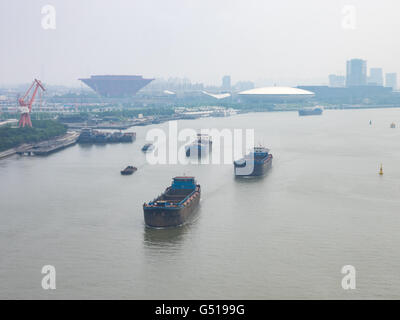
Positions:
{"x": 391, "y": 80}
{"x": 356, "y": 73}
{"x": 375, "y": 76}
{"x": 226, "y": 82}
{"x": 336, "y": 81}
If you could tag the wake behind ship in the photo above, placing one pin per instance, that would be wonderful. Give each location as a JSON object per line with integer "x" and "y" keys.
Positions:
{"x": 255, "y": 163}
{"x": 174, "y": 207}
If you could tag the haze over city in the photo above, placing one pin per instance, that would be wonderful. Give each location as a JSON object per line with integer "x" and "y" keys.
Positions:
{"x": 286, "y": 42}
{"x": 182, "y": 151}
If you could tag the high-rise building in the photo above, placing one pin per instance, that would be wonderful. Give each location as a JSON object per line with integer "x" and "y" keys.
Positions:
{"x": 336, "y": 80}
{"x": 391, "y": 80}
{"x": 356, "y": 73}
{"x": 375, "y": 77}
{"x": 226, "y": 82}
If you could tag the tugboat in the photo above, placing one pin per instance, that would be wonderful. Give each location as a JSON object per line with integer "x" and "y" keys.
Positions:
{"x": 128, "y": 170}
{"x": 310, "y": 111}
{"x": 148, "y": 147}
{"x": 255, "y": 163}
{"x": 201, "y": 146}
{"x": 175, "y": 206}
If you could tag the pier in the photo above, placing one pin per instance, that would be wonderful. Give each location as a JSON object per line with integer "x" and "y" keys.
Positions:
{"x": 49, "y": 146}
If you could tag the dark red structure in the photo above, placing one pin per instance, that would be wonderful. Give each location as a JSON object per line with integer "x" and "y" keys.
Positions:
{"x": 26, "y": 106}
{"x": 116, "y": 86}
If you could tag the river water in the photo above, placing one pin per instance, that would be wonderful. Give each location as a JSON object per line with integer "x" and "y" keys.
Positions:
{"x": 285, "y": 236}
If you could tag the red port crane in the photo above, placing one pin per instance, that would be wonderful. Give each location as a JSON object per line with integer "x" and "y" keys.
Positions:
{"x": 26, "y": 106}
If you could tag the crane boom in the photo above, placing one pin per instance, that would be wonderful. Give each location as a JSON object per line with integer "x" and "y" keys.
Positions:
{"x": 26, "y": 107}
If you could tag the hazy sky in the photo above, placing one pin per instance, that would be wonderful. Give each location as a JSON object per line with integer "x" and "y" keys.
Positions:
{"x": 287, "y": 42}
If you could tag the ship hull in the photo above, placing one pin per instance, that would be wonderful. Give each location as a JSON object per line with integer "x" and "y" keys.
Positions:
{"x": 261, "y": 167}
{"x": 102, "y": 138}
{"x": 198, "y": 150}
{"x": 166, "y": 217}
{"x": 127, "y": 172}
{"x": 315, "y": 112}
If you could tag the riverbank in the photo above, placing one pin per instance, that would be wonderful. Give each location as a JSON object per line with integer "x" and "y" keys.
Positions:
{"x": 43, "y": 147}
{"x": 12, "y": 137}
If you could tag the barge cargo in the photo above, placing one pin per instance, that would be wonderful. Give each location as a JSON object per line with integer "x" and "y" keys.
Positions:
{"x": 310, "y": 111}
{"x": 176, "y": 206}
{"x": 88, "y": 135}
{"x": 255, "y": 163}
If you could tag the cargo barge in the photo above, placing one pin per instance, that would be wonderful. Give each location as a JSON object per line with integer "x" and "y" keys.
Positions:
{"x": 255, "y": 163}
{"x": 176, "y": 206}
{"x": 310, "y": 111}
{"x": 200, "y": 147}
{"x": 88, "y": 135}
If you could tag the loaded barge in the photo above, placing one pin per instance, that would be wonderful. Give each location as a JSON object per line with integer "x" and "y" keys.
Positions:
{"x": 176, "y": 206}
{"x": 201, "y": 146}
{"x": 89, "y": 135}
{"x": 255, "y": 163}
{"x": 311, "y": 111}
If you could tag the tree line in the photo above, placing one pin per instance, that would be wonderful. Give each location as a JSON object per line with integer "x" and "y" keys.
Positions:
{"x": 11, "y": 137}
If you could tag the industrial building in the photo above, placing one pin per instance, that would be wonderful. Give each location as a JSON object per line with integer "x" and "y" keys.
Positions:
{"x": 354, "y": 94}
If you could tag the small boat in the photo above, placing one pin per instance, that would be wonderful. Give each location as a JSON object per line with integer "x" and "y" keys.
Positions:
{"x": 128, "y": 170}
{"x": 148, "y": 147}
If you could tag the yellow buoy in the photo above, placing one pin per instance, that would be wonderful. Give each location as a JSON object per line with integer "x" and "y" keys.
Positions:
{"x": 381, "y": 170}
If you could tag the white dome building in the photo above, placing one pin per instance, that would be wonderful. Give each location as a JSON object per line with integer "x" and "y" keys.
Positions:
{"x": 275, "y": 94}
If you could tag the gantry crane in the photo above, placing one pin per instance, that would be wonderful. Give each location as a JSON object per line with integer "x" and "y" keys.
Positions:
{"x": 26, "y": 106}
